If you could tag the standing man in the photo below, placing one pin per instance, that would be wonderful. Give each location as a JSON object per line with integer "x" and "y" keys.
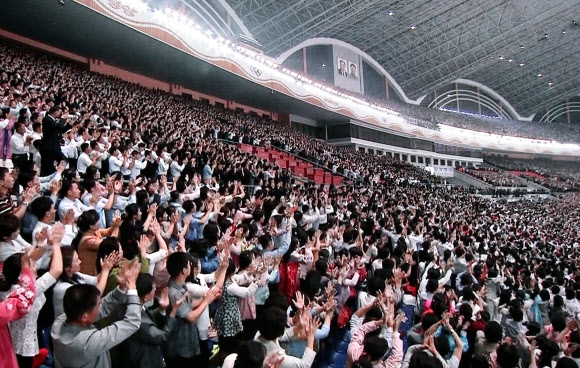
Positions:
{"x": 50, "y": 151}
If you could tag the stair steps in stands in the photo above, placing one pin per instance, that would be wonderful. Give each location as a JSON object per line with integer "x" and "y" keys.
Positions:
{"x": 296, "y": 165}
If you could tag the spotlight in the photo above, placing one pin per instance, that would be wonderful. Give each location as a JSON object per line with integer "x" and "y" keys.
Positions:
{"x": 551, "y": 84}
{"x": 413, "y": 27}
{"x": 539, "y": 74}
{"x": 391, "y": 13}
{"x": 522, "y": 64}
{"x": 563, "y": 31}
{"x": 502, "y": 57}
{"x": 511, "y": 60}
{"x": 324, "y": 65}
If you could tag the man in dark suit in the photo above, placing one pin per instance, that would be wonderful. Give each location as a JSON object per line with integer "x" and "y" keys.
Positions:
{"x": 50, "y": 152}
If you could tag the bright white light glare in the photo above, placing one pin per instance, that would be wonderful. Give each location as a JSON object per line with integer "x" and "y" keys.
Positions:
{"x": 511, "y": 60}
{"x": 522, "y": 64}
{"x": 502, "y": 57}
{"x": 539, "y": 74}
{"x": 413, "y": 27}
{"x": 391, "y": 13}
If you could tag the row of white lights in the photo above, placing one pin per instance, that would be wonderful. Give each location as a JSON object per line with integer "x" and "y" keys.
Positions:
{"x": 184, "y": 24}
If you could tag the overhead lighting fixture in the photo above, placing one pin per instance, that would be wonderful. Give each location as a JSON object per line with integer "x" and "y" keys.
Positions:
{"x": 522, "y": 47}
{"x": 539, "y": 74}
{"x": 511, "y": 60}
{"x": 323, "y": 65}
{"x": 545, "y": 36}
{"x": 502, "y": 57}
{"x": 522, "y": 64}
{"x": 563, "y": 31}
{"x": 413, "y": 27}
{"x": 551, "y": 84}
{"x": 391, "y": 13}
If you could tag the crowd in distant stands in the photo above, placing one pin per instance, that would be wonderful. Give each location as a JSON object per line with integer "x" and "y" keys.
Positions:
{"x": 494, "y": 177}
{"x": 430, "y": 118}
{"x": 555, "y": 175}
{"x": 139, "y": 239}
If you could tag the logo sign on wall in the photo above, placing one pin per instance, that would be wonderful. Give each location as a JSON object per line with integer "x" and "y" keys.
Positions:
{"x": 256, "y": 71}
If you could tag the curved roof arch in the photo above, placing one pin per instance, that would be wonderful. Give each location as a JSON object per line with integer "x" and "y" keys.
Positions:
{"x": 365, "y": 56}
{"x": 524, "y": 50}
{"x": 505, "y": 103}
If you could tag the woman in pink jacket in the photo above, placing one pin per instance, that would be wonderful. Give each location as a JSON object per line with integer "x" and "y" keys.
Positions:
{"x": 15, "y": 270}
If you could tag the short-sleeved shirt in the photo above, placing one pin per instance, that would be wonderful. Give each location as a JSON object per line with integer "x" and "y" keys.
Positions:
{"x": 6, "y": 205}
{"x": 184, "y": 340}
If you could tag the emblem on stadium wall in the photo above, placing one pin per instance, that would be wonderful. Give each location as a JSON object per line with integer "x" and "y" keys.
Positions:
{"x": 116, "y": 4}
{"x": 256, "y": 71}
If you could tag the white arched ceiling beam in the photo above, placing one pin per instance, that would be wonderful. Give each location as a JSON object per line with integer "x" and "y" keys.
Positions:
{"x": 491, "y": 105}
{"x": 468, "y": 95}
{"x": 234, "y": 17}
{"x": 560, "y": 110}
{"x": 483, "y": 88}
{"x": 364, "y": 55}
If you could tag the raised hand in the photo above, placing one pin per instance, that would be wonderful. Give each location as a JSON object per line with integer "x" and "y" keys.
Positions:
{"x": 153, "y": 209}
{"x": 273, "y": 360}
{"x": 155, "y": 227}
{"x": 55, "y": 186}
{"x": 29, "y": 194}
{"x": 41, "y": 236}
{"x": 110, "y": 261}
{"x": 299, "y": 302}
{"x": 117, "y": 219}
{"x": 212, "y": 294}
{"x": 164, "y": 299}
{"x": 57, "y": 233}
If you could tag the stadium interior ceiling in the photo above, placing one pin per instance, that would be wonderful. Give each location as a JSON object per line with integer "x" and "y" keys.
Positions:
{"x": 526, "y": 50}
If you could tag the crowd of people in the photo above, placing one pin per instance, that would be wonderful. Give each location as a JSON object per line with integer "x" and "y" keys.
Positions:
{"x": 432, "y": 118}
{"x": 495, "y": 177}
{"x": 138, "y": 237}
{"x": 558, "y": 176}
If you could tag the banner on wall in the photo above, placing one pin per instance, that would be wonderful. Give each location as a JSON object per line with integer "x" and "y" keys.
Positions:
{"x": 347, "y": 69}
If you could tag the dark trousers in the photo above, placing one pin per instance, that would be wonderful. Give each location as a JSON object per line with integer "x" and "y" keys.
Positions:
{"x": 47, "y": 162}
{"x": 24, "y": 362}
{"x": 205, "y": 354}
{"x": 180, "y": 362}
{"x": 23, "y": 162}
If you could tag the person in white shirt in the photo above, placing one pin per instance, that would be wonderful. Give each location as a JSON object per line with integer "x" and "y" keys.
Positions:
{"x": 197, "y": 286}
{"x": 71, "y": 193}
{"x": 175, "y": 168}
{"x": 36, "y": 136}
{"x": 99, "y": 151}
{"x": 136, "y": 165}
{"x": 116, "y": 161}
{"x": 85, "y": 160}
{"x": 43, "y": 209}
{"x": 20, "y": 144}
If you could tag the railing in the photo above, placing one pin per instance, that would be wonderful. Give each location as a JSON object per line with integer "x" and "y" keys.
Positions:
{"x": 278, "y": 148}
{"x": 470, "y": 180}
